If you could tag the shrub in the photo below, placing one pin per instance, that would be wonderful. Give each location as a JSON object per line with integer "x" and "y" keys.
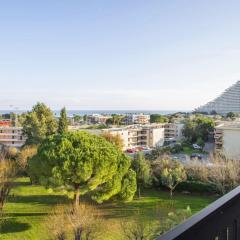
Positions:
{"x": 196, "y": 186}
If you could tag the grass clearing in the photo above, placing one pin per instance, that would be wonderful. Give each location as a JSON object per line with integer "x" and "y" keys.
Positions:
{"x": 29, "y": 205}
{"x": 190, "y": 150}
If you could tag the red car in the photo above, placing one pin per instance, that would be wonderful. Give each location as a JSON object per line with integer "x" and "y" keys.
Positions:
{"x": 130, "y": 151}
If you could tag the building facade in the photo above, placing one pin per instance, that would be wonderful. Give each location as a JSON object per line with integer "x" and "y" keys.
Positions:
{"x": 137, "y": 135}
{"x": 97, "y": 119}
{"x": 137, "y": 119}
{"x": 228, "y": 101}
{"x": 11, "y": 136}
{"x": 173, "y": 131}
{"x": 227, "y": 139}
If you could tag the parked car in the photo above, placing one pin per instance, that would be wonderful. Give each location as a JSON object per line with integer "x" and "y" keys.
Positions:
{"x": 196, "y": 155}
{"x": 196, "y": 146}
{"x": 130, "y": 151}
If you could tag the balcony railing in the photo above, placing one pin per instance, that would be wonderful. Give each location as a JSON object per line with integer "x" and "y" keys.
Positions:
{"x": 219, "y": 221}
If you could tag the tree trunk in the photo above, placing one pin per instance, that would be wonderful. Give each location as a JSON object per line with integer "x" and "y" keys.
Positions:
{"x": 139, "y": 192}
{"x": 77, "y": 196}
{"x": 1, "y": 207}
{"x": 78, "y": 233}
{"x": 171, "y": 193}
{"x": 61, "y": 236}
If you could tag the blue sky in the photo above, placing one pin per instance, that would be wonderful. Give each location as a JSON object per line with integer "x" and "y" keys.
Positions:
{"x": 124, "y": 54}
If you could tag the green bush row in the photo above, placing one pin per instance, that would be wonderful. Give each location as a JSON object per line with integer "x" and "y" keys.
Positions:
{"x": 196, "y": 186}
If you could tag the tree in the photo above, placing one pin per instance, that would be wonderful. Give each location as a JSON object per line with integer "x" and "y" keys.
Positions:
{"x": 81, "y": 163}
{"x": 200, "y": 142}
{"x": 224, "y": 174}
{"x": 157, "y": 118}
{"x": 115, "y": 119}
{"x": 142, "y": 168}
{"x": 26, "y": 153}
{"x": 114, "y": 139}
{"x": 213, "y": 112}
{"x": 129, "y": 184}
{"x": 7, "y": 173}
{"x": 138, "y": 230}
{"x": 77, "y": 118}
{"x": 56, "y": 223}
{"x": 172, "y": 174}
{"x": 85, "y": 222}
{"x": 21, "y": 119}
{"x": 231, "y": 115}
{"x": 175, "y": 218}
{"x": 11, "y": 152}
{"x": 85, "y": 118}
{"x": 109, "y": 121}
{"x": 39, "y": 124}
{"x": 82, "y": 223}
{"x": 199, "y": 127}
{"x": 63, "y": 122}
{"x": 177, "y": 148}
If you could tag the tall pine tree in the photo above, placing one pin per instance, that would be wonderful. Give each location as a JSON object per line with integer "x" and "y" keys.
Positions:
{"x": 63, "y": 122}
{"x": 39, "y": 123}
{"x": 84, "y": 163}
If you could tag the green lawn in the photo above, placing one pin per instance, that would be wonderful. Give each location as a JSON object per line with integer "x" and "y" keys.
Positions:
{"x": 29, "y": 205}
{"x": 190, "y": 150}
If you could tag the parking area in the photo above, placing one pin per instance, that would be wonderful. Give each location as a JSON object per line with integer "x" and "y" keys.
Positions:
{"x": 186, "y": 159}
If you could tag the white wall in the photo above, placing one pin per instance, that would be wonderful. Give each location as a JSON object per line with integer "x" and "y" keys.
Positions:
{"x": 231, "y": 143}
{"x": 123, "y": 133}
{"x": 157, "y": 137}
{"x": 180, "y": 127}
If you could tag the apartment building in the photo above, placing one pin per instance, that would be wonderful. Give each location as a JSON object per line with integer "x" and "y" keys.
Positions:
{"x": 97, "y": 119}
{"x": 228, "y": 101}
{"x": 11, "y": 136}
{"x": 140, "y": 135}
{"x": 5, "y": 123}
{"x": 173, "y": 131}
{"x": 137, "y": 119}
{"x": 227, "y": 139}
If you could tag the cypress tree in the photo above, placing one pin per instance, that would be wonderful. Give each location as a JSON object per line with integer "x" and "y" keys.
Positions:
{"x": 63, "y": 121}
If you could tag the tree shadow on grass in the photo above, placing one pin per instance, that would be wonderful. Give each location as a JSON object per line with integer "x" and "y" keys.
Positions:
{"x": 39, "y": 199}
{"x": 17, "y": 184}
{"x": 28, "y": 214}
{"x": 13, "y": 226}
{"x": 149, "y": 210}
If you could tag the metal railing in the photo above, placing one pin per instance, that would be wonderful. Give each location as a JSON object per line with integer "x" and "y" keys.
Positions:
{"x": 219, "y": 221}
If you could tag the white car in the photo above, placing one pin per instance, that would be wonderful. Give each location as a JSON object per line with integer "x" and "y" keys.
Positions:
{"x": 197, "y": 147}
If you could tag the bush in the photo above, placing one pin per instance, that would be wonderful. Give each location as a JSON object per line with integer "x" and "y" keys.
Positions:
{"x": 196, "y": 186}
{"x": 177, "y": 148}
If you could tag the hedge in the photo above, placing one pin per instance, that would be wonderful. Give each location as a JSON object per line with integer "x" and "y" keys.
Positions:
{"x": 196, "y": 186}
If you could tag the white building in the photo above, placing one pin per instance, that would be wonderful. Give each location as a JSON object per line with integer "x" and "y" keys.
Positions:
{"x": 11, "y": 136}
{"x": 137, "y": 135}
{"x": 227, "y": 139}
{"x": 228, "y": 101}
{"x": 173, "y": 131}
{"x": 138, "y": 119}
{"x": 97, "y": 118}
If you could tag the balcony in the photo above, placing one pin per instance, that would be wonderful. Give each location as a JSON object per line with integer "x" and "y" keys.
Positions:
{"x": 219, "y": 221}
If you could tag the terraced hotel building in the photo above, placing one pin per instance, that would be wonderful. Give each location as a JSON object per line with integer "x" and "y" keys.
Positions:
{"x": 228, "y": 101}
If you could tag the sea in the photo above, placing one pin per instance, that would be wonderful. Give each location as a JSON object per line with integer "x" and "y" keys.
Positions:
{"x": 71, "y": 113}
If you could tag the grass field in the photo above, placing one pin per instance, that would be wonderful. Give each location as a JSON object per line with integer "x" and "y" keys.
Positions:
{"x": 190, "y": 150}
{"x": 29, "y": 205}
